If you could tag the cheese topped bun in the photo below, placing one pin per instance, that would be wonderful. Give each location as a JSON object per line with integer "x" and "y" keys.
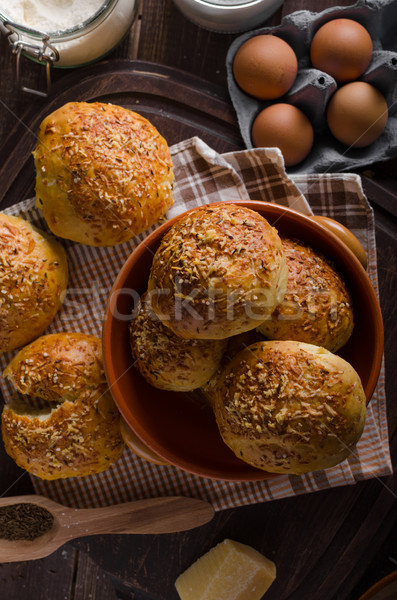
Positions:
{"x": 290, "y": 407}
{"x": 63, "y": 421}
{"x": 317, "y": 307}
{"x": 167, "y": 361}
{"x": 56, "y": 366}
{"x": 103, "y": 173}
{"x": 33, "y": 278}
{"x": 234, "y": 345}
{"x": 219, "y": 271}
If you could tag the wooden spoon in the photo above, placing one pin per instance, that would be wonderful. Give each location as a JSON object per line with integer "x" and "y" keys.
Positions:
{"x": 151, "y": 515}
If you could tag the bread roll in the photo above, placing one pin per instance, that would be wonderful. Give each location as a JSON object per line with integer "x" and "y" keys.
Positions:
{"x": 64, "y": 423}
{"x": 103, "y": 173}
{"x": 290, "y": 407}
{"x": 167, "y": 361}
{"x": 219, "y": 271}
{"x": 234, "y": 345}
{"x": 34, "y": 276}
{"x": 56, "y": 366}
{"x": 317, "y": 307}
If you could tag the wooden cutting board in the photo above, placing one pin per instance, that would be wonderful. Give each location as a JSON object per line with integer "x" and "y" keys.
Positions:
{"x": 178, "y": 104}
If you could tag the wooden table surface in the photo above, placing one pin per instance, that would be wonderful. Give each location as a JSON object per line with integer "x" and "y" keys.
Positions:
{"x": 347, "y": 535}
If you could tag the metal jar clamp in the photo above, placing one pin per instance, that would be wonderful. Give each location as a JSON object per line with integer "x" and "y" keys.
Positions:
{"x": 44, "y": 53}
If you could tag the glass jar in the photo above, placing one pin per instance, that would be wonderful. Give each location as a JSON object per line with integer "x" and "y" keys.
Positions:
{"x": 73, "y": 47}
{"x": 228, "y": 16}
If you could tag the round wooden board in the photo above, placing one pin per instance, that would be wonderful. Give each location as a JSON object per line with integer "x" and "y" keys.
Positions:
{"x": 178, "y": 104}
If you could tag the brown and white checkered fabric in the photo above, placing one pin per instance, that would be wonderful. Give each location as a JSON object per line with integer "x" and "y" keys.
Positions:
{"x": 203, "y": 176}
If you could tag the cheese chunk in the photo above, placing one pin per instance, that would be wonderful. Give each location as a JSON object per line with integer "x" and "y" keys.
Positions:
{"x": 230, "y": 571}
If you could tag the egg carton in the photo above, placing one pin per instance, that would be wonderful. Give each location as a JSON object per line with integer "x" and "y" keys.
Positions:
{"x": 313, "y": 88}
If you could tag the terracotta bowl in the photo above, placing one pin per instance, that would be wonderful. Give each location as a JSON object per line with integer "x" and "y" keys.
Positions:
{"x": 177, "y": 427}
{"x": 385, "y": 589}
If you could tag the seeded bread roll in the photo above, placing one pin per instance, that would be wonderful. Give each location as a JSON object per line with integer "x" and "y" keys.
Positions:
{"x": 56, "y": 366}
{"x": 290, "y": 407}
{"x": 103, "y": 173}
{"x": 234, "y": 345}
{"x": 74, "y": 439}
{"x": 62, "y": 421}
{"x": 33, "y": 277}
{"x": 317, "y": 307}
{"x": 167, "y": 361}
{"x": 219, "y": 271}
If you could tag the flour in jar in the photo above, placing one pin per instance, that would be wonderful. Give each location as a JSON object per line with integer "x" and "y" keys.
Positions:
{"x": 50, "y": 15}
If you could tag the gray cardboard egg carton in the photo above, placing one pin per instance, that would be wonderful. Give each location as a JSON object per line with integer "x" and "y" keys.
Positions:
{"x": 313, "y": 88}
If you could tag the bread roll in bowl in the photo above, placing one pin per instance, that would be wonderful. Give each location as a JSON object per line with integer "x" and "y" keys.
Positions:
{"x": 33, "y": 276}
{"x": 219, "y": 271}
{"x": 64, "y": 422}
{"x": 103, "y": 173}
{"x": 317, "y": 307}
{"x": 290, "y": 407}
{"x": 235, "y": 344}
{"x": 167, "y": 361}
{"x": 173, "y": 426}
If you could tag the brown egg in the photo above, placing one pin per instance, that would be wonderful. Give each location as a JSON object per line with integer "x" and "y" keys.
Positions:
{"x": 342, "y": 48}
{"x": 285, "y": 127}
{"x": 265, "y": 67}
{"x": 357, "y": 114}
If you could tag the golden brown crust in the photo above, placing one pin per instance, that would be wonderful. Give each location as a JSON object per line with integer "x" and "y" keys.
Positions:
{"x": 235, "y": 344}
{"x": 103, "y": 173}
{"x": 64, "y": 422}
{"x": 317, "y": 307}
{"x": 167, "y": 361}
{"x": 290, "y": 407}
{"x": 76, "y": 438}
{"x": 219, "y": 271}
{"x": 33, "y": 280}
{"x": 58, "y": 365}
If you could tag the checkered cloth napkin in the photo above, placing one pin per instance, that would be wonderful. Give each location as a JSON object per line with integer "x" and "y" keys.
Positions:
{"x": 203, "y": 176}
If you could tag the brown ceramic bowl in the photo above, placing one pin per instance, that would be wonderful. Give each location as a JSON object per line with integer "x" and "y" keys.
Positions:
{"x": 385, "y": 589}
{"x": 177, "y": 427}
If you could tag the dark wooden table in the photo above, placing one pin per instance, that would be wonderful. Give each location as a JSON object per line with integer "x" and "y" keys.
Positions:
{"x": 328, "y": 545}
